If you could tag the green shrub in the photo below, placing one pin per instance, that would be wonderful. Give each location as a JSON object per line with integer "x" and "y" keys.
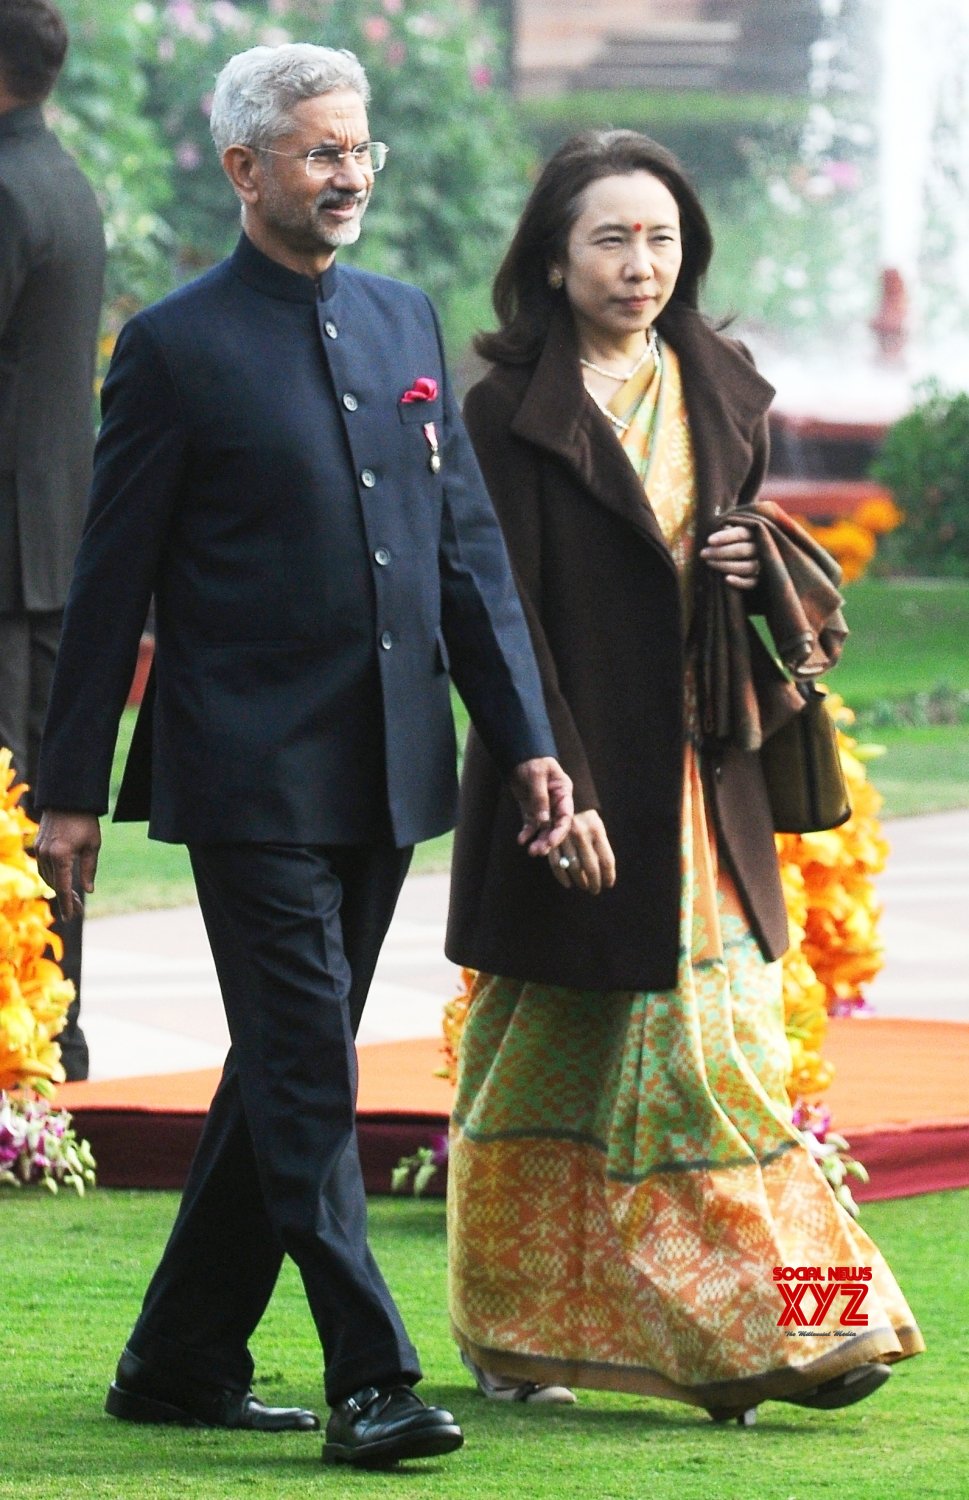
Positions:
{"x": 712, "y": 133}
{"x": 445, "y": 208}
{"x": 925, "y": 464}
{"x": 99, "y": 111}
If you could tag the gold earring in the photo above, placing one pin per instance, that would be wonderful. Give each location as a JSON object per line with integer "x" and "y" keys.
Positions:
{"x": 555, "y": 279}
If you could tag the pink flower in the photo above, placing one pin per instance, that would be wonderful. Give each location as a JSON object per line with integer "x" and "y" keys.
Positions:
{"x": 441, "y": 1149}
{"x": 376, "y": 28}
{"x": 482, "y": 77}
{"x": 423, "y": 389}
{"x": 393, "y": 7}
{"x": 844, "y": 175}
{"x": 228, "y": 16}
{"x": 188, "y": 156}
{"x": 396, "y": 54}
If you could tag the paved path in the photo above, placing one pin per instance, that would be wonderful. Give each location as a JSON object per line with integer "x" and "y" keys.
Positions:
{"x": 151, "y": 1000}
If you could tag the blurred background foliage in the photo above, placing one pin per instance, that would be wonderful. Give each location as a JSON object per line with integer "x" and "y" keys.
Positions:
{"x": 133, "y": 105}
{"x": 780, "y": 175}
{"x": 924, "y": 461}
{"x": 788, "y": 179}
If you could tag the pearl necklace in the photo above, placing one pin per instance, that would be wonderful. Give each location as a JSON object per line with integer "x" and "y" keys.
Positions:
{"x": 617, "y": 422}
{"x": 651, "y": 351}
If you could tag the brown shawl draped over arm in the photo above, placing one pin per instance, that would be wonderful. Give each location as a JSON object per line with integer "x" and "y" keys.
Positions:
{"x": 745, "y": 696}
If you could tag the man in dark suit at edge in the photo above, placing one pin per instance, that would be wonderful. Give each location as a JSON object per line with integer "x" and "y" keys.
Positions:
{"x": 281, "y": 462}
{"x": 51, "y": 282}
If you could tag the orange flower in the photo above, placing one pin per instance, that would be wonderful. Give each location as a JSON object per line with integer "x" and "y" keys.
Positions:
{"x": 455, "y": 1015}
{"x": 836, "y": 948}
{"x": 851, "y": 544}
{"x": 878, "y": 514}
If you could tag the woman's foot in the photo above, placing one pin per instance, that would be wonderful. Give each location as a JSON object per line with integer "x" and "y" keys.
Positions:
{"x": 501, "y": 1388}
{"x": 743, "y": 1416}
{"x": 844, "y": 1390}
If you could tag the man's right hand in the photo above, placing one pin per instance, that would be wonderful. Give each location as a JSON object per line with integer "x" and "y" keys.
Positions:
{"x": 67, "y": 839}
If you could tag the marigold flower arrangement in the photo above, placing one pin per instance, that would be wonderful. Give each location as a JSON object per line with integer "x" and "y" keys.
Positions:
{"x": 34, "y": 995}
{"x": 829, "y": 886}
{"x": 37, "y": 1142}
{"x": 853, "y": 539}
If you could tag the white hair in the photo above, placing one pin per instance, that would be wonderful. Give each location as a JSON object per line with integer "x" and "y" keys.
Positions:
{"x": 257, "y": 90}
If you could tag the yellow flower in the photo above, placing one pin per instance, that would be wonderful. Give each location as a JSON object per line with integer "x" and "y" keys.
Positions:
{"x": 34, "y": 995}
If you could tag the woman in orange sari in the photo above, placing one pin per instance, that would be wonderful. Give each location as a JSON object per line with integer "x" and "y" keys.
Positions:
{"x": 629, "y": 1202}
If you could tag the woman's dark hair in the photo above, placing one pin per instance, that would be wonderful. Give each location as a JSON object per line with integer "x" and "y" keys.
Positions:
{"x": 521, "y": 295}
{"x": 33, "y": 45}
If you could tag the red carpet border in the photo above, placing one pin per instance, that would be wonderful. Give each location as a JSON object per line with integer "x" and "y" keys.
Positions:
{"x": 900, "y": 1095}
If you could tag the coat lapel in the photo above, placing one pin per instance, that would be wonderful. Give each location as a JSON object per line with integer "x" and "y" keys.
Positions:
{"x": 559, "y": 415}
{"x": 726, "y": 399}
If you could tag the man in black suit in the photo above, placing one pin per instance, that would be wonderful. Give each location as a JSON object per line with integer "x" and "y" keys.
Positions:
{"x": 51, "y": 282}
{"x": 282, "y": 463}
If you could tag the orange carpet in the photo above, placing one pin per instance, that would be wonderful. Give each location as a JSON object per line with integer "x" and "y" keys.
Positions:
{"x": 901, "y": 1095}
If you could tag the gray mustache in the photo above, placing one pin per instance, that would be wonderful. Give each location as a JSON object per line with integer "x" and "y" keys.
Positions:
{"x": 339, "y": 200}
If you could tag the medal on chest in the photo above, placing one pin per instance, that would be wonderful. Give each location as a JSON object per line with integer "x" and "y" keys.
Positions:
{"x": 434, "y": 461}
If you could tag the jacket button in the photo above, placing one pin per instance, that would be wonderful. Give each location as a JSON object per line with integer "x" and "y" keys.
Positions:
{"x": 330, "y": 329}
{"x": 368, "y": 478}
{"x": 381, "y": 557}
{"x": 386, "y": 640}
{"x": 350, "y": 401}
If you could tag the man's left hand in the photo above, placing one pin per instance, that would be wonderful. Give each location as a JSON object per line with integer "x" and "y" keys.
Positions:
{"x": 544, "y": 794}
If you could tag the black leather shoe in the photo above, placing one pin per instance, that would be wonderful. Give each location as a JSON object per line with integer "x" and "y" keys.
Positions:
{"x": 140, "y": 1394}
{"x": 377, "y": 1428}
{"x": 844, "y": 1390}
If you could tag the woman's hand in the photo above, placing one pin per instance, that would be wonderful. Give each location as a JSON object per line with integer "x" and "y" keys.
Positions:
{"x": 584, "y": 860}
{"x": 733, "y": 552}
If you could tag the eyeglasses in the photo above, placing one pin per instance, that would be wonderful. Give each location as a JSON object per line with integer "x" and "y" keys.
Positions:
{"x": 323, "y": 161}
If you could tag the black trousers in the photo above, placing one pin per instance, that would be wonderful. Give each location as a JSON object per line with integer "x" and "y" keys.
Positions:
{"x": 295, "y": 933}
{"x": 28, "y": 646}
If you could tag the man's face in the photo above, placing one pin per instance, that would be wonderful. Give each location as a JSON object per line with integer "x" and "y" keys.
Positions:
{"x": 304, "y": 216}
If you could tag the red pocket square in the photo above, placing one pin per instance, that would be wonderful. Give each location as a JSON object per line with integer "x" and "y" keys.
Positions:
{"x": 423, "y": 389}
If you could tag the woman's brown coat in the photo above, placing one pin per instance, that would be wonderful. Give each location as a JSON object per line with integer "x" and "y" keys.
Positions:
{"x": 602, "y": 596}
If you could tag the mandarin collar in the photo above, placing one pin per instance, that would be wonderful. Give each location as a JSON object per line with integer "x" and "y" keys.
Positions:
{"x": 274, "y": 280}
{"x": 26, "y": 119}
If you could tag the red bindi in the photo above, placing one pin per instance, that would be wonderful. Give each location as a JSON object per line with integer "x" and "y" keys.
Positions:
{"x": 637, "y": 227}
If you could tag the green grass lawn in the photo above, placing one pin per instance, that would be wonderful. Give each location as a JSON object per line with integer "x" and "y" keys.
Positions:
{"x": 909, "y": 637}
{"x": 73, "y": 1273}
{"x": 906, "y": 637}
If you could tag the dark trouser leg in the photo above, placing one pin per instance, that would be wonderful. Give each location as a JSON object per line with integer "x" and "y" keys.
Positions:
{"x": 277, "y": 1167}
{"x": 28, "y": 646}
{"x": 15, "y": 687}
